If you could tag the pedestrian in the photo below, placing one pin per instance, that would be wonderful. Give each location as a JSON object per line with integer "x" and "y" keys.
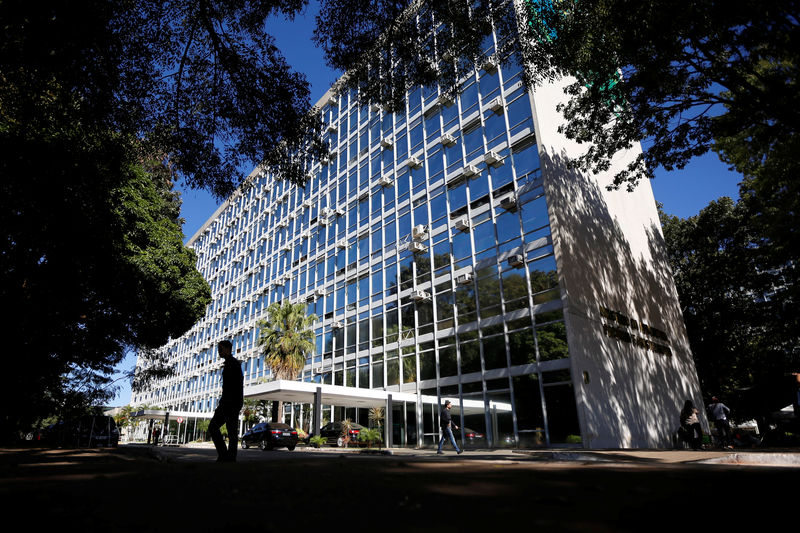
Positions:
{"x": 227, "y": 411}
{"x": 447, "y": 425}
{"x": 719, "y": 413}
{"x": 690, "y": 423}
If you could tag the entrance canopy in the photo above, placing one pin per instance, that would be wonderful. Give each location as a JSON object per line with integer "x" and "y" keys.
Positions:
{"x": 158, "y": 414}
{"x": 303, "y": 392}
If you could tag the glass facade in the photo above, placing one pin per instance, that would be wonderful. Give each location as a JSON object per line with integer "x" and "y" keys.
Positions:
{"x": 423, "y": 245}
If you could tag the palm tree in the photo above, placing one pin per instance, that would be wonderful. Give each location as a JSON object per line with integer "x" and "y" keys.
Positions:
{"x": 286, "y": 338}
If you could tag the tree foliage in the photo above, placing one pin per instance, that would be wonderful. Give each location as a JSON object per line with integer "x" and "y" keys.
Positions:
{"x": 679, "y": 79}
{"x": 739, "y": 303}
{"x": 102, "y": 105}
{"x": 286, "y": 338}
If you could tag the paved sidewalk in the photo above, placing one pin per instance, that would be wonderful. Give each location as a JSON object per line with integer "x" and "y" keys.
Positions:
{"x": 752, "y": 456}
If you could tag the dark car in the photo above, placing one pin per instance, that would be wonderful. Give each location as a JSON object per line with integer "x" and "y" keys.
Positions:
{"x": 332, "y": 431}
{"x": 270, "y": 435}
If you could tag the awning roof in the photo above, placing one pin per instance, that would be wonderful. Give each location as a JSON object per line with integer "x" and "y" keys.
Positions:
{"x": 303, "y": 392}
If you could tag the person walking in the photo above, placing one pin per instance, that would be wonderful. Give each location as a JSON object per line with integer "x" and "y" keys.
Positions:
{"x": 691, "y": 425}
{"x": 719, "y": 414}
{"x": 227, "y": 411}
{"x": 447, "y": 425}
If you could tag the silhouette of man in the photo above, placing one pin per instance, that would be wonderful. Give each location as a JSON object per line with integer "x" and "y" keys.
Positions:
{"x": 230, "y": 404}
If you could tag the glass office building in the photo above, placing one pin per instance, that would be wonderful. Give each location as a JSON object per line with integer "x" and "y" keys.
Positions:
{"x": 425, "y": 245}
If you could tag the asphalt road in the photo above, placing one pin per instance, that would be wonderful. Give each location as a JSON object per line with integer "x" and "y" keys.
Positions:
{"x": 183, "y": 489}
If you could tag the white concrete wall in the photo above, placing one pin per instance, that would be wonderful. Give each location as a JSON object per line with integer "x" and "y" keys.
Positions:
{"x": 610, "y": 253}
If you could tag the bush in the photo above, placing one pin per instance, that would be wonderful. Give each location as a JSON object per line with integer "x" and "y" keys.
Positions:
{"x": 317, "y": 441}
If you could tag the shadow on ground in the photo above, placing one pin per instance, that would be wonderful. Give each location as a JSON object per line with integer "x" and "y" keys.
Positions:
{"x": 129, "y": 490}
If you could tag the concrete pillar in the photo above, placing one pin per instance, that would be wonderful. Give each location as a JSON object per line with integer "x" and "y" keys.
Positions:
{"x": 388, "y": 419}
{"x": 315, "y": 429}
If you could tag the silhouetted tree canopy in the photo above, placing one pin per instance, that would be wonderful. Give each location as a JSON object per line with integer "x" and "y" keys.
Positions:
{"x": 739, "y": 301}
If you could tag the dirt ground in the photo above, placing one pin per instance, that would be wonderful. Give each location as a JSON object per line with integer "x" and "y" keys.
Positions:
{"x": 128, "y": 489}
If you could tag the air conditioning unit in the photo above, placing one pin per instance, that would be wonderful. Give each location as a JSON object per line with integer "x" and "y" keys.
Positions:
{"x": 341, "y": 243}
{"x": 283, "y": 224}
{"x": 278, "y": 282}
{"x": 306, "y": 203}
{"x": 446, "y": 100}
{"x": 419, "y": 231}
{"x": 385, "y": 181}
{"x": 339, "y": 211}
{"x": 493, "y": 158}
{"x": 490, "y": 65}
{"x": 337, "y": 324}
{"x": 325, "y": 212}
{"x": 416, "y": 247}
{"x": 306, "y": 234}
{"x": 463, "y": 279}
{"x": 420, "y": 295}
{"x": 509, "y": 202}
{"x": 319, "y": 292}
{"x": 516, "y": 260}
{"x": 447, "y": 140}
{"x": 387, "y": 142}
{"x": 376, "y": 108}
{"x": 414, "y": 162}
{"x": 496, "y": 105}
{"x": 470, "y": 170}
{"x": 462, "y": 224}
{"x": 333, "y": 100}
{"x": 323, "y": 221}
{"x": 287, "y": 276}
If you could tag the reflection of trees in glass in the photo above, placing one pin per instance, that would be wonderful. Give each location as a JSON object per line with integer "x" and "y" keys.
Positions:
{"x": 448, "y": 362}
{"x": 441, "y": 259}
{"x": 514, "y": 286}
{"x": 392, "y": 371}
{"x": 427, "y": 365}
{"x": 465, "y": 300}
{"x": 494, "y": 352}
{"x": 444, "y": 305}
{"x": 521, "y": 347}
{"x": 552, "y": 340}
{"x": 489, "y": 291}
{"x": 470, "y": 357}
{"x": 409, "y": 369}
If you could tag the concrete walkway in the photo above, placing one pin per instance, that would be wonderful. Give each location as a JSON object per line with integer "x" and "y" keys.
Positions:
{"x": 753, "y": 456}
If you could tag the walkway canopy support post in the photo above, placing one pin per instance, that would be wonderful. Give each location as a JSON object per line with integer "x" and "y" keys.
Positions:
{"x": 317, "y": 428}
{"x": 389, "y": 428}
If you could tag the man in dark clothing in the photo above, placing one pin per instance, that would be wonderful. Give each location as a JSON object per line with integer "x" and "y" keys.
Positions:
{"x": 230, "y": 404}
{"x": 446, "y": 422}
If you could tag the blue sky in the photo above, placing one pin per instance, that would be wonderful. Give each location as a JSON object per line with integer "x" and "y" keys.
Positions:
{"x": 683, "y": 192}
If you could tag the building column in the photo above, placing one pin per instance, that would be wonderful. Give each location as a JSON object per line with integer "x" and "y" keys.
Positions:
{"x": 389, "y": 421}
{"x": 317, "y": 427}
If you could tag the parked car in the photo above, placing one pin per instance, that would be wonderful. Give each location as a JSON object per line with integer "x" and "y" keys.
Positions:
{"x": 270, "y": 435}
{"x": 471, "y": 437}
{"x": 332, "y": 431}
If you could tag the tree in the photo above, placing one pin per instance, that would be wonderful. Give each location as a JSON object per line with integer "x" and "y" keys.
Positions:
{"x": 102, "y": 105}
{"x": 681, "y": 80}
{"x": 285, "y": 338}
{"x": 736, "y": 294}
